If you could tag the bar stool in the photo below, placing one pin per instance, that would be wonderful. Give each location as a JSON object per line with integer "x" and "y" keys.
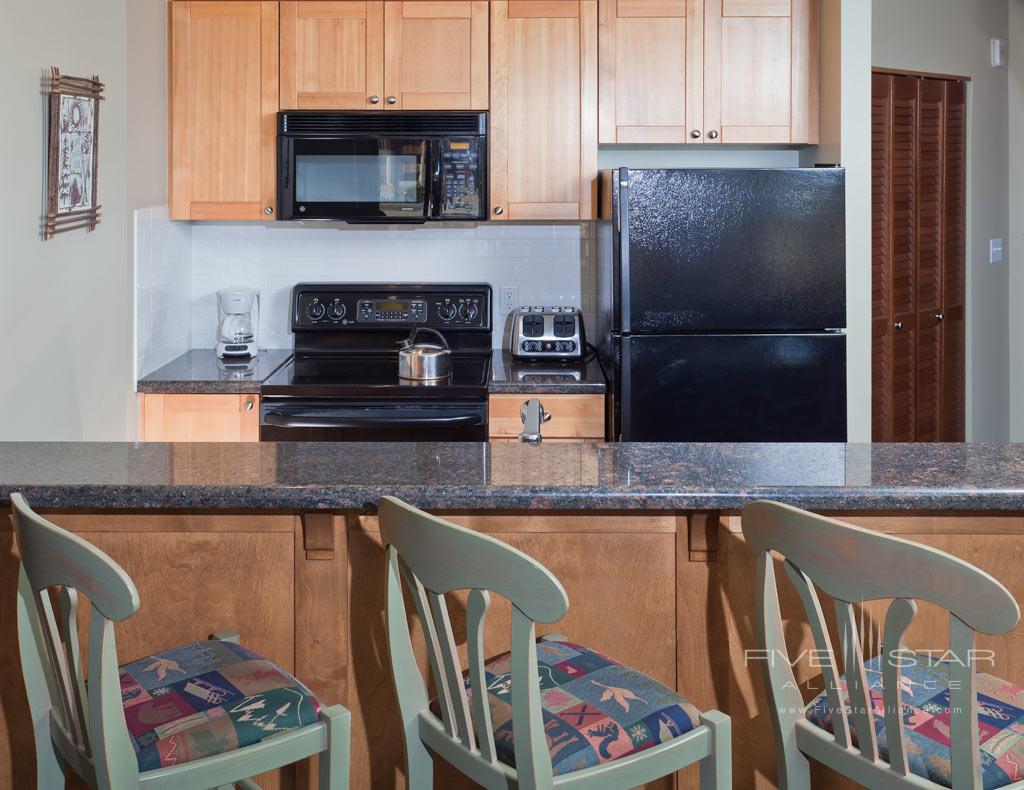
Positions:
{"x": 207, "y": 714}
{"x": 909, "y": 719}
{"x": 551, "y": 713}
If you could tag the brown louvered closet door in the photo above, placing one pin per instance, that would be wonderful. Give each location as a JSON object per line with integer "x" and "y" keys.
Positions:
{"x": 918, "y": 185}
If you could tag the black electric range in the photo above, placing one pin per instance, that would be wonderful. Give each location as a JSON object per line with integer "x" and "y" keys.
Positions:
{"x": 342, "y": 384}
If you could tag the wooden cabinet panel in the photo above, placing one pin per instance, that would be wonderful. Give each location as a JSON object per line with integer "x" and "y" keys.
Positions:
{"x": 572, "y": 416}
{"x": 881, "y": 227}
{"x": 199, "y": 418}
{"x": 543, "y": 109}
{"x": 954, "y": 264}
{"x": 643, "y": 71}
{"x": 760, "y": 71}
{"x": 436, "y": 54}
{"x": 224, "y": 97}
{"x": 918, "y": 204}
{"x": 332, "y": 54}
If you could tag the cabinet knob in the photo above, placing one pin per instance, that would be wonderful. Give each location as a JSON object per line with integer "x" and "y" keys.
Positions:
{"x": 695, "y": 134}
{"x": 375, "y": 100}
{"x": 249, "y": 404}
{"x": 499, "y": 210}
{"x": 939, "y": 317}
{"x": 898, "y": 325}
{"x": 713, "y": 135}
{"x": 392, "y": 100}
{"x": 268, "y": 210}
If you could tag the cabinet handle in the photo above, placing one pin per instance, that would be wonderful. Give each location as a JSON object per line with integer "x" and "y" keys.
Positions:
{"x": 499, "y": 210}
{"x": 939, "y": 317}
{"x": 268, "y": 210}
{"x": 898, "y": 325}
{"x": 695, "y": 134}
{"x": 392, "y": 100}
{"x": 713, "y": 134}
{"x": 375, "y": 100}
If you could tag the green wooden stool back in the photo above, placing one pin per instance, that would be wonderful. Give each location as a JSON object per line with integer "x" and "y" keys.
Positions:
{"x": 454, "y": 558}
{"x": 89, "y": 729}
{"x": 855, "y": 565}
{"x": 80, "y": 720}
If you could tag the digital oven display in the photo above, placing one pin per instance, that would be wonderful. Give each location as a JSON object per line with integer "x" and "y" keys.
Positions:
{"x": 390, "y": 305}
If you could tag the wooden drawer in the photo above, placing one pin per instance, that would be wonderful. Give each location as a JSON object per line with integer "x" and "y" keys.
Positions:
{"x": 199, "y": 418}
{"x": 572, "y": 416}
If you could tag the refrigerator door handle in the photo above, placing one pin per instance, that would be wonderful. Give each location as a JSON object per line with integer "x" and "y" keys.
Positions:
{"x": 623, "y": 219}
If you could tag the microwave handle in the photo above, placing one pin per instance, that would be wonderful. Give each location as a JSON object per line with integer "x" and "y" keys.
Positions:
{"x": 434, "y": 210}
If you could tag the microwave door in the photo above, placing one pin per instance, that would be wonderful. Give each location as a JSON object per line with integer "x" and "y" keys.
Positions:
{"x": 364, "y": 179}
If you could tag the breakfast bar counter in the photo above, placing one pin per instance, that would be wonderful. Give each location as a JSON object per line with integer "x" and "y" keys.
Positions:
{"x": 281, "y": 543}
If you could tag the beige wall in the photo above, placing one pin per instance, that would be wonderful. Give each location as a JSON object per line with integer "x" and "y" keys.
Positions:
{"x": 65, "y": 304}
{"x": 952, "y": 37}
{"x": 1016, "y": 236}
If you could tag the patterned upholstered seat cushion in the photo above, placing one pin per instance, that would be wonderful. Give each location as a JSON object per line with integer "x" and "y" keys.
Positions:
{"x": 925, "y": 701}
{"x": 595, "y": 709}
{"x": 207, "y": 698}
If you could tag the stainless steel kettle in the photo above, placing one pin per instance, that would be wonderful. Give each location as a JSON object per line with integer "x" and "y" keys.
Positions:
{"x": 424, "y": 361}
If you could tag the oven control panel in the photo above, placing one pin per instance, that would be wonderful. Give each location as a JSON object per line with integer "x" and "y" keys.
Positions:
{"x": 341, "y": 308}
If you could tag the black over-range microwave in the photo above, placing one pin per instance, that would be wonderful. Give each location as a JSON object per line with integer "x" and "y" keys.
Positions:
{"x": 397, "y": 166}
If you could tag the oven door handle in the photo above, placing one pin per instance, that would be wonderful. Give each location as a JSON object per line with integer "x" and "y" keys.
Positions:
{"x": 298, "y": 421}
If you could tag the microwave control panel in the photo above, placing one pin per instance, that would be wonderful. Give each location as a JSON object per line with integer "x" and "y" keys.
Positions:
{"x": 461, "y": 190}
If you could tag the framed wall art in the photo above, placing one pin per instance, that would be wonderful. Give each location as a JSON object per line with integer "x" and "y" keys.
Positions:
{"x": 72, "y": 166}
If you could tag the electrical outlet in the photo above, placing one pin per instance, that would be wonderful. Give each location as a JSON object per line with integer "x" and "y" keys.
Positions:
{"x": 995, "y": 250}
{"x": 509, "y": 298}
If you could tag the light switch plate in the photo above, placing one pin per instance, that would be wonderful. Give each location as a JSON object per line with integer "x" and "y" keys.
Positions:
{"x": 998, "y": 53}
{"x": 995, "y": 250}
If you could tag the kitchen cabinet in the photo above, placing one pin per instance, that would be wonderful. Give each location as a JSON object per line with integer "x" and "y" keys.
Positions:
{"x": 573, "y": 417}
{"x": 332, "y": 55}
{"x": 199, "y": 418}
{"x": 709, "y": 71}
{"x": 223, "y": 105}
{"x": 354, "y": 55}
{"x": 918, "y": 259}
{"x": 543, "y": 109}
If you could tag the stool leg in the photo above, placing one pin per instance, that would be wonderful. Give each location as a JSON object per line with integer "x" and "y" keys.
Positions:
{"x": 334, "y": 760}
{"x": 716, "y": 768}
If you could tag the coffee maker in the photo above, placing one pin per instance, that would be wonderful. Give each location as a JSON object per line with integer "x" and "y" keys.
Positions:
{"x": 238, "y": 320}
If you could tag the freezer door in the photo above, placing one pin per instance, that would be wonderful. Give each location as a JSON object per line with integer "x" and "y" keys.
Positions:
{"x": 731, "y": 250}
{"x": 733, "y": 388}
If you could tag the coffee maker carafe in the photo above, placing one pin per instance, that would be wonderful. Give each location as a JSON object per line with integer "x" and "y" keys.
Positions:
{"x": 238, "y": 313}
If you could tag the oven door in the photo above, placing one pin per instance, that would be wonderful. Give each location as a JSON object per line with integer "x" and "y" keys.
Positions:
{"x": 355, "y": 179}
{"x": 300, "y": 420}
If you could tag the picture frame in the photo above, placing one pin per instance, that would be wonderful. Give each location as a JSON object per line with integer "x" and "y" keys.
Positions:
{"x": 73, "y": 154}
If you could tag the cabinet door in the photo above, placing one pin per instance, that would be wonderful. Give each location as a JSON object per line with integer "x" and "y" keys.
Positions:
{"x": 543, "y": 109}
{"x": 760, "y": 71}
{"x": 199, "y": 418}
{"x": 332, "y": 55}
{"x": 224, "y": 100}
{"x": 651, "y": 78}
{"x": 435, "y": 55}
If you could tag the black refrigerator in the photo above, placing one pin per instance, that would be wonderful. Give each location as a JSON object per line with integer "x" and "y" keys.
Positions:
{"x": 722, "y": 294}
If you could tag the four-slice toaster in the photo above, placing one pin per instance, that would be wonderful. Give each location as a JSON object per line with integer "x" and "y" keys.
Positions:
{"x": 547, "y": 333}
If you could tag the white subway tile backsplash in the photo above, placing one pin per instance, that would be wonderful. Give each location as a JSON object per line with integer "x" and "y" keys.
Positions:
{"x": 180, "y": 267}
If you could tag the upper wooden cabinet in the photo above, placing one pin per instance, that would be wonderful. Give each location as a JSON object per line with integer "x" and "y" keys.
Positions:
{"x": 355, "y": 55}
{"x": 543, "y": 109}
{"x": 224, "y": 100}
{"x": 332, "y": 55}
{"x": 650, "y": 55}
{"x": 435, "y": 54}
{"x": 709, "y": 71}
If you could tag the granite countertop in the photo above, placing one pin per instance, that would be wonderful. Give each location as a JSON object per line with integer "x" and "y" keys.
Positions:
{"x": 200, "y": 371}
{"x": 509, "y": 375}
{"x": 327, "y": 476}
